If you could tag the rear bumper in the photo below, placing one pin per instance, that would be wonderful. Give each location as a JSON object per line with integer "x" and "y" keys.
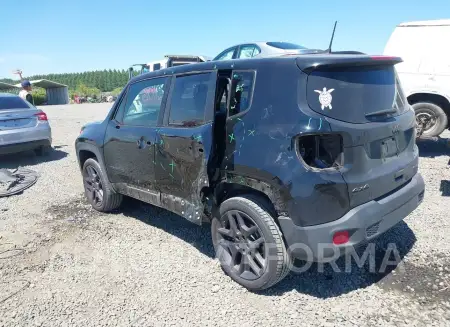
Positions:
{"x": 364, "y": 223}
{"x": 23, "y": 139}
{"x": 20, "y": 147}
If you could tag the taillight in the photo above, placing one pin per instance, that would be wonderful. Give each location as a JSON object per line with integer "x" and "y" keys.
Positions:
{"x": 341, "y": 237}
{"x": 41, "y": 116}
{"x": 322, "y": 151}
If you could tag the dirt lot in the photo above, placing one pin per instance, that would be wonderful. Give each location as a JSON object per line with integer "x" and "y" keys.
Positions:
{"x": 63, "y": 264}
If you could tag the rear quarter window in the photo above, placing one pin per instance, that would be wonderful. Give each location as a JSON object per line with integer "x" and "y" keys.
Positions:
{"x": 241, "y": 91}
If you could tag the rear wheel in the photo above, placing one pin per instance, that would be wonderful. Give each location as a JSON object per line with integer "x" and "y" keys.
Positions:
{"x": 43, "y": 150}
{"x": 431, "y": 118}
{"x": 249, "y": 244}
{"x": 97, "y": 189}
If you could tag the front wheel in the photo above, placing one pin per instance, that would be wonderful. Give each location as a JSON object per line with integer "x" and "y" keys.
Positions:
{"x": 97, "y": 189}
{"x": 430, "y": 118}
{"x": 249, "y": 244}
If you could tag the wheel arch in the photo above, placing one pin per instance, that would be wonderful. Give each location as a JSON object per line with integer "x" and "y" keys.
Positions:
{"x": 264, "y": 191}
{"x": 87, "y": 151}
{"x": 440, "y": 100}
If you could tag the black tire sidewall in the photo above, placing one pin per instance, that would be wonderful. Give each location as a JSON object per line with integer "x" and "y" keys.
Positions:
{"x": 106, "y": 192}
{"x": 42, "y": 151}
{"x": 270, "y": 273}
{"x": 442, "y": 119}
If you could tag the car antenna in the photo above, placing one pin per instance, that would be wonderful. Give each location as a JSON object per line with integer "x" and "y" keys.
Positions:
{"x": 332, "y": 38}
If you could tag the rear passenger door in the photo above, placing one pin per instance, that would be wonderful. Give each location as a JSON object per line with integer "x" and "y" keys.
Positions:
{"x": 130, "y": 138}
{"x": 184, "y": 144}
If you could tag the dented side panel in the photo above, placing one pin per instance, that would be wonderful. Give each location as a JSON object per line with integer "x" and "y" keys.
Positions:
{"x": 261, "y": 150}
{"x": 181, "y": 161}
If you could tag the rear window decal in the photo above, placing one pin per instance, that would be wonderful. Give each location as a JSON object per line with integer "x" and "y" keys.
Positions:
{"x": 325, "y": 98}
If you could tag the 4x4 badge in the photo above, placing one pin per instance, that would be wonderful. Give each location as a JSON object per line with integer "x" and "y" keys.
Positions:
{"x": 325, "y": 97}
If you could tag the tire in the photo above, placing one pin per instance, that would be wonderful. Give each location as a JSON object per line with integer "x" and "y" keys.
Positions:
{"x": 251, "y": 210}
{"x": 95, "y": 178}
{"x": 42, "y": 151}
{"x": 427, "y": 109}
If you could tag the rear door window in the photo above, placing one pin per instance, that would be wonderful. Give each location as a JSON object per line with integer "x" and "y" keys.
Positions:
{"x": 352, "y": 94}
{"x": 13, "y": 102}
{"x": 248, "y": 51}
{"x": 188, "y": 100}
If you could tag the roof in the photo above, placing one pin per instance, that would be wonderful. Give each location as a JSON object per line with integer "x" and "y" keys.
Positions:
{"x": 436, "y": 22}
{"x": 6, "y": 86}
{"x": 302, "y": 61}
{"x": 44, "y": 83}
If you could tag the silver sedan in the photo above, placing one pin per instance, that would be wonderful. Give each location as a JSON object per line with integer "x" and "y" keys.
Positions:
{"x": 263, "y": 49}
{"x": 22, "y": 126}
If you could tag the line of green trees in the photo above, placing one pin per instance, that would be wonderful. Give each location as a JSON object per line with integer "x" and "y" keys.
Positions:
{"x": 92, "y": 82}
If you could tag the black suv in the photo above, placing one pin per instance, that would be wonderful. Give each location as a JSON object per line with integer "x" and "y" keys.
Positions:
{"x": 282, "y": 155}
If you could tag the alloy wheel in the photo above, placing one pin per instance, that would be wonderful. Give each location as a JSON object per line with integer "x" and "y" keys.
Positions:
{"x": 241, "y": 245}
{"x": 93, "y": 185}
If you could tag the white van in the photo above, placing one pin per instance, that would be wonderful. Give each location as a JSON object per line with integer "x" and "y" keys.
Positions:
{"x": 425, "y": 71}
{"x": 168, "y": 61}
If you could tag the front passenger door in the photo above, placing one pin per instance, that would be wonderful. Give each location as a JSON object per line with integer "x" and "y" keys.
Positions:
{"x": 130, "y": 137}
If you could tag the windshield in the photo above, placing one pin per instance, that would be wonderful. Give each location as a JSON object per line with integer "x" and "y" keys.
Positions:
{"x": 286, "y": 46}
{"x": 12, "y": 102}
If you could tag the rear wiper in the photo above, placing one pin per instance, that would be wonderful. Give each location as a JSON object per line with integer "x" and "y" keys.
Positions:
{"x": 381, "y": 112}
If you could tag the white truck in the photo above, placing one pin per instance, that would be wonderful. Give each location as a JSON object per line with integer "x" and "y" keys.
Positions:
{"x": 425, "y": 71}
{"x": 167, "y": 61}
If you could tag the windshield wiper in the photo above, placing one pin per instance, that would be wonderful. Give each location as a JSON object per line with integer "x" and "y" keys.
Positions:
{"x": 381, "y": 112}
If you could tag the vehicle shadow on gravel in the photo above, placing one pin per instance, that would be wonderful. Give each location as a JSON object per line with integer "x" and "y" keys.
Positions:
{"x": 433, "y": 148}
{"x": 29, "y": 158}
{"x": 327, "y": 280}
{"x": 321, "y": 283}
{"x": 197, "y": 236}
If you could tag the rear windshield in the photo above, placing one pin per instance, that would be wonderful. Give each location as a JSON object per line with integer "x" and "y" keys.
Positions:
{"x": 12, "y": 103}
{"x": 285, "y": 45}
{"x": 354, "y": 94}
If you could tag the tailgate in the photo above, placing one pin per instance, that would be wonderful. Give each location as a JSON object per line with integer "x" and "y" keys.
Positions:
{"x": 379, "y": 158}
{"x": 364, "y": 102}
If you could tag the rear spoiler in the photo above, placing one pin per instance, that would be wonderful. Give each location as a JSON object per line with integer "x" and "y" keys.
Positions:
{"x": 187, "y": 57}
{"x": 310, "y": 63}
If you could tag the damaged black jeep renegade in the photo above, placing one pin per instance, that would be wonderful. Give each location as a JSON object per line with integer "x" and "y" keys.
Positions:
{"x": 282, "y": 155}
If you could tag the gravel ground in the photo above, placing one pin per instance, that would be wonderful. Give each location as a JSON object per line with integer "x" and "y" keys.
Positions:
{"x": 63, "y": 264}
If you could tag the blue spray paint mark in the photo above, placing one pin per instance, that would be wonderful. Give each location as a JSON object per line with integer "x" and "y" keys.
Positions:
{"x": 320, "y": 126}
{"x": 309, "y": 123}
